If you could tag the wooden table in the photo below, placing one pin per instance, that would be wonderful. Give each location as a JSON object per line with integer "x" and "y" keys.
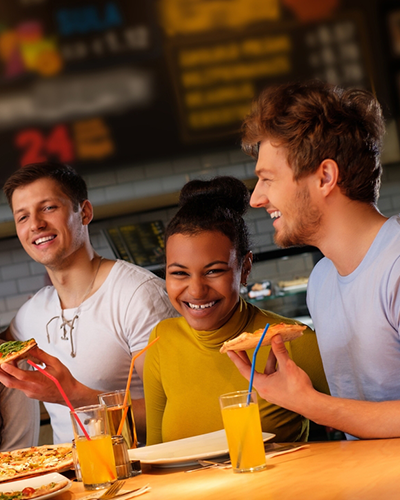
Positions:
{"x": 345, "y": 470}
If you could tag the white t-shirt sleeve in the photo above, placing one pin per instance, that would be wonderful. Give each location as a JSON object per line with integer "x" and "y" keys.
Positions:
{"x": 148, "y": 306}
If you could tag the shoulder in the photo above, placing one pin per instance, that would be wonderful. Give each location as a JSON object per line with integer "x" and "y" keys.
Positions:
{"x": 125, "y": 276}
{"x": 123, "y": 270}
{"x": 42, "y": 299}
{"x": 322, "y": 269}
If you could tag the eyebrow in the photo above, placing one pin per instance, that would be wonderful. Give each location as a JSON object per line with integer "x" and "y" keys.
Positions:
{"x": 23, "y": 209}
{"x": 261, "y": 169}
{"x": 215, "y": 262}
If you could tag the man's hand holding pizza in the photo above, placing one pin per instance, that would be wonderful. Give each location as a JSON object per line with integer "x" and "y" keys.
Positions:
{"x": 35, "y": 385}
{"x": 283, "y": 383}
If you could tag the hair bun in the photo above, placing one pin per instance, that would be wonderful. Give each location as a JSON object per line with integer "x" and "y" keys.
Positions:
{"x": 224, "y": 191}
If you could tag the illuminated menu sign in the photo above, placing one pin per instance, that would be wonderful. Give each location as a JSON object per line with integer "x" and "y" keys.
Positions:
{"x": 107, "y": 83}
{"x": 142, "y": 244}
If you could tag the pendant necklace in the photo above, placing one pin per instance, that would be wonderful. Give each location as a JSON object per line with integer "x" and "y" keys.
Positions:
{"x": 71, "y": 322}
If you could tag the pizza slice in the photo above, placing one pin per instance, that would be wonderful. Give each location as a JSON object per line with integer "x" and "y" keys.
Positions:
{"x": 29, "y": 492}
{"x": 35, "y": 461}
{"x": 15, "y": 350}
{"x": 246, "y": 341}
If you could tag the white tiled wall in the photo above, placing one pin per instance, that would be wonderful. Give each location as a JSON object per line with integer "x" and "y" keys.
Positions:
{"x": 20, "y": 277}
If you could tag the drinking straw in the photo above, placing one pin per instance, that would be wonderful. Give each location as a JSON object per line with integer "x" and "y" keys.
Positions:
{"x": 128, "y": 384}
{"x": 253, "y": 364}
{"x": 62, "y": 394}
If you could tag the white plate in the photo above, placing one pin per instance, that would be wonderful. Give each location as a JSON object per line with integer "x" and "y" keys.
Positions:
{"x": 36, "y": 482}
{"x": 185, "y": 451}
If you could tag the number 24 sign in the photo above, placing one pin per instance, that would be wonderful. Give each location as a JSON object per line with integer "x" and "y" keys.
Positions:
{"x": 90, "y": 140}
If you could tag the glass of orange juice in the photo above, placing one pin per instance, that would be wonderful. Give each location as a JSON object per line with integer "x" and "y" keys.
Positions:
{"x": 242, "y": 424}
{"x": 96, "y": 456}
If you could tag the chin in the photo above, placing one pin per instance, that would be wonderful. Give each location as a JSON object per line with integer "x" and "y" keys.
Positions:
{"x": 284, "y": 241}
{"x": 201, "y": 325}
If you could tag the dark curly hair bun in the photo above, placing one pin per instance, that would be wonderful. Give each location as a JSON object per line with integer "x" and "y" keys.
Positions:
{"x": 214, "y": 205}
{"x": 226, "y": 191}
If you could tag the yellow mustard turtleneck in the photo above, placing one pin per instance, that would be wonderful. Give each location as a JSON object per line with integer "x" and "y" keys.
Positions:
{"x": 185, "y": 374}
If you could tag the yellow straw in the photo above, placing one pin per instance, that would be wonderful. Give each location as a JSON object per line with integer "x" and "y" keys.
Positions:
{"x": 129, "y": 384}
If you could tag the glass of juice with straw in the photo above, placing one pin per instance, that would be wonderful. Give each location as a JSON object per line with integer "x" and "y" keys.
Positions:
{"x": 114, "y": 401}
{"x": 94, "y": 446}
{"x": 242, "y": 424}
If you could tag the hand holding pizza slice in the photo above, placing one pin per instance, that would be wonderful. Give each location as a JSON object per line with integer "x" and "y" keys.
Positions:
{"x": 246, "y": 341}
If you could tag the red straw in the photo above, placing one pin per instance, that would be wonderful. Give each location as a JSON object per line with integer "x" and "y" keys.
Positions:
{"x": 62, "y": 394}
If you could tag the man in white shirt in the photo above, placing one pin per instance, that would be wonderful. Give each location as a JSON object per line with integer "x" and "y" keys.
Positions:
{"x": 97, "y": 314}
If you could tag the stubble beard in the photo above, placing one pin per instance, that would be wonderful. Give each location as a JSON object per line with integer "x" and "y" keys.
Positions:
{"x": 306, "y": 225}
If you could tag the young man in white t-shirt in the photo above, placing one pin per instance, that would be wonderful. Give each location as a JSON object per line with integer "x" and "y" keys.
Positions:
{"x": 98, "y": 313}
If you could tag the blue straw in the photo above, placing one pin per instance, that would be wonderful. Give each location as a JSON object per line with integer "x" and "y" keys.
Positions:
{"x": 253, "y": 364}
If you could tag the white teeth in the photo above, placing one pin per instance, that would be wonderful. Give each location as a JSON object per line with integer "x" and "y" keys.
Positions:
{"x": 43, "y": 240}
{"x": 275, "y": 214}
{"x": 202, "y": 306}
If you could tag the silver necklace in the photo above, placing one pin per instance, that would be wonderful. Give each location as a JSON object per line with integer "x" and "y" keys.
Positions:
{"x": 71, "y": 322}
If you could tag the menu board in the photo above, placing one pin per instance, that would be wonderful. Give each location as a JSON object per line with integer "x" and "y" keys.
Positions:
{"x": 390, "y": 22}
{"x": 106, "y": 83}
{"x": 142, "y": 244}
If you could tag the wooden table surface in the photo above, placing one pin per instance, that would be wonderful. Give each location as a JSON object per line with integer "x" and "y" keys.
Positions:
{"x": 345, "y": 470}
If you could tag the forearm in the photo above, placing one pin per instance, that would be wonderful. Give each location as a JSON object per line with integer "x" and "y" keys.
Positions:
{"x": 80, "y": 395}
{"x": 363, "y": 419}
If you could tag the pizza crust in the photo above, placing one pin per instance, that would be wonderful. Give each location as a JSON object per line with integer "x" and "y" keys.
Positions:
{"x": 48, "y": 488}
{"x": 246, "y": 341}
{"x": 20, "y": 354}
{"x": 29, "y": 492}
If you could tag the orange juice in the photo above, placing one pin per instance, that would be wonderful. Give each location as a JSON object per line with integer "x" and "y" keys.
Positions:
{"x": 243, "y": 432}
{"x": 96, "y": 458}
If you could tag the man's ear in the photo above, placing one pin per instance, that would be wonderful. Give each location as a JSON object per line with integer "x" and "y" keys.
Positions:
{"x": 86, "y": 209}
{"x": 328, "y": 175}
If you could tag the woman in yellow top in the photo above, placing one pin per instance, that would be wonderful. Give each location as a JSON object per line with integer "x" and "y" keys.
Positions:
{"x": 207, "y": 258}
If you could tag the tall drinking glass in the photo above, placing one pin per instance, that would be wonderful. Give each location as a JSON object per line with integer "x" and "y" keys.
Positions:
{"x": 96, "y": 456}
{"x": 114, "y": 401}
{"x": 243, "y": 431}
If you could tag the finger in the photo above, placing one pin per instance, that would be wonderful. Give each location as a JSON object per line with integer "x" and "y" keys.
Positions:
{"x": 15, "y": 372}
{"x": 242, "y": 362}
{"x": 279, "y": 349}
{"x": 239, "y": 354}
{"x": 270, "y": 367}
{"x": 38, "y": 354}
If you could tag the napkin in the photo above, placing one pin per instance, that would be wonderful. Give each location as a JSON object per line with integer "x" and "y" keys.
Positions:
{"x": 278, "y": 449}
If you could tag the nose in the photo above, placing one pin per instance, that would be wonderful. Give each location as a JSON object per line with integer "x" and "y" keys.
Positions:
{"x": 37, "y": 222}
{"x": 197, "y": 287}
{"x": 258, "y": 198}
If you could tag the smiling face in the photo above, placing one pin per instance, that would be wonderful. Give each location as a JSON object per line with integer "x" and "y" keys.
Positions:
{"x": 203, "y": 278}
{"x": 296, "y": 219}
{"x": 47, "y": 226}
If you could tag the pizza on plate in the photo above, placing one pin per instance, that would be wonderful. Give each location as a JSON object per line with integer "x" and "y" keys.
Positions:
{"x": 246, "y": 340}
{"x": 29, "y": 492}
{"x": 34, "y": 461}
{"x": 15, "y": 350}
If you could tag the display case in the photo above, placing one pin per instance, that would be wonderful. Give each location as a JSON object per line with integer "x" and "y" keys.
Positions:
{"x": 278, "y": 281}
